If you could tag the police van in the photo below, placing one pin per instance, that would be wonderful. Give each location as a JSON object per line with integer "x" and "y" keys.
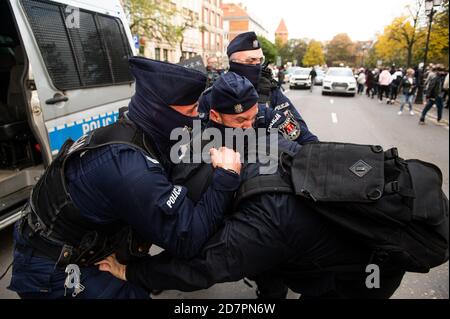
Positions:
{"x": 63, "y": 72}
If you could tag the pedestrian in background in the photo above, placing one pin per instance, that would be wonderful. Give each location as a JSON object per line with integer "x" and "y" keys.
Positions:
{"x": 408, "y": 85}
{"x": 370, "y": 83}
{"x": 312, "y": 75}
{"x": 384, "y": 82}
{"x": 394, "y": 87}
{"x": 376, "y": 82}
{"x": 361, "y": 81}
{"x": 433, "y": 94}
{"x": 280, "y": 76}
{"x": 445, "y": 97}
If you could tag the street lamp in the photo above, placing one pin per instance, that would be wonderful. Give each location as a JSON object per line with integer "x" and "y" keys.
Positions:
{"x": 430, "y": 6}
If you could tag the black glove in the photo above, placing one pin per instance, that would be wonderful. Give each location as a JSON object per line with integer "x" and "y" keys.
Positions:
{"x": 265, "y": 85}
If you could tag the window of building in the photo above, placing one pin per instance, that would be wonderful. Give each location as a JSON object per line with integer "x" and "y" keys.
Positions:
{"x": 158, "y": 54}
{"x": 205, "y": 15}
{"x": 94, "y": 54}
{"x": 166, "y": 55}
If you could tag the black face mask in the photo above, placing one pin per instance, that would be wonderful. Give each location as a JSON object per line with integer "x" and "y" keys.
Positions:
{"x": 251, "y": 72}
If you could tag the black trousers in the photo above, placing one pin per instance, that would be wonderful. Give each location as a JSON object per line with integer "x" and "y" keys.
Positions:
{"x": 353, "y": 287}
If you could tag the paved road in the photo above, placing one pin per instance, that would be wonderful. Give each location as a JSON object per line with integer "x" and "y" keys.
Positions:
{"x": 343, "y": 119}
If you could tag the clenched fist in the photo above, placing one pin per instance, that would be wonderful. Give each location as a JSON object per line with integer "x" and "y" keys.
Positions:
{"x": 226, "y": 158}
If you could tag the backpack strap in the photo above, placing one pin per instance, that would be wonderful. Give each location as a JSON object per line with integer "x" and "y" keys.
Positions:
{"x": 391, "y": 154}
{"x": 394, "y": 187}
{"x": 263, "y": 184}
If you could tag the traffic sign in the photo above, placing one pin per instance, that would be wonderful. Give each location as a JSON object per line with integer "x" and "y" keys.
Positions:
{"x": 136, "y": 41}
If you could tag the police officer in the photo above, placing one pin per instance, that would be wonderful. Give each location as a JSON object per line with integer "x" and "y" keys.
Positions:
{"x": 110, "y": 193}
{"x": 270, "y": 233}
{"x": 246, "y": 59}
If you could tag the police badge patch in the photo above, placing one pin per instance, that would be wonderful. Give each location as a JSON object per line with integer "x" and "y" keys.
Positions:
{"x": 238, "y": 108}
{"x": 290, "y": 128}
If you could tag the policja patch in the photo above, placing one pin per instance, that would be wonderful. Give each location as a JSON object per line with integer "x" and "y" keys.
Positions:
{"x": 290, "y": 128}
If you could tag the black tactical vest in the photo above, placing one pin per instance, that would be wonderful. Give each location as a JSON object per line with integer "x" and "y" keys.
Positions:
{"x": 54, "y": 225}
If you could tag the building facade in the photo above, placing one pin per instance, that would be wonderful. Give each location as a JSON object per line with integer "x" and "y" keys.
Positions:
{"x": 204, "y": 36}
{"x": 237, "y": 20}
{"x": 213, "y": 39}
{"x": 192, "y": 41}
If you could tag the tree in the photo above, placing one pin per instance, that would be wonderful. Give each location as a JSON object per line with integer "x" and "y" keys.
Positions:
{"x": 403, "y": 33}
{"x": 372, "y": 57}
{"x": 340, "y": 50}
{"x": 269, "y": 49}
{"x": 294, "y": 49}
{"x": 394, "y": 43}
{"x": 188, "y": 20}
{"x": 403, "y": 41}
{"x": 151, "y": 18}
{"x": 438, "y": 46}
{"x": 314, "y": 54}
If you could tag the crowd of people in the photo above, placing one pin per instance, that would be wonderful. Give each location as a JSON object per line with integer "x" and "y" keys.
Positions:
{"x": 392, "y": 83}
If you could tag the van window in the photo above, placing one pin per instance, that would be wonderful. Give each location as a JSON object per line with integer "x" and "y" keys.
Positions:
{"x": 94, "y": 52}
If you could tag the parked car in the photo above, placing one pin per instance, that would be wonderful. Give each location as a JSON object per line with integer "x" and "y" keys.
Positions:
{"x": 300, "y": 78}
{"x": 319, "y": 78}
{"x": 289, "y": 72}
{"x": 339, "y": 80}
{"x": 57, "y": 81}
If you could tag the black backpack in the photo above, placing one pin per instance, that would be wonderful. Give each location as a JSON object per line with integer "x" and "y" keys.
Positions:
{"x": 395, "y": 206}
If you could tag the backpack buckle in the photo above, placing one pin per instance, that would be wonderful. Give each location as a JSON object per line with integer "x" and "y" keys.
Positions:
{"x": 392, "y": 187}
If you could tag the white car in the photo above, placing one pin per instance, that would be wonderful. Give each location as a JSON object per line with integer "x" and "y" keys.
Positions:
{"x": 319, "y": 78}
{"x": 289, "y": 72}
{"x": 300, "y": 78}
{"x": 339, "y": 80}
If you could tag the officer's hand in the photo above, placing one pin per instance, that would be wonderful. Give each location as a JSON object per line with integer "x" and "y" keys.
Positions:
{"x": 110, "y": 264}
{"x": 226, "y": 158}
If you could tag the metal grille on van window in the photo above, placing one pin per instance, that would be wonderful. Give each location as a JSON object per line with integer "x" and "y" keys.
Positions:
{"x": 95, "y": 54}
{"x": 118, "y": 51}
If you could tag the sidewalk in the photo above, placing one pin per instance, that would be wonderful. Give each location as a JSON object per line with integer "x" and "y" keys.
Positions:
{"x": 432, "y": 114}
{"x": 418, "y": 108}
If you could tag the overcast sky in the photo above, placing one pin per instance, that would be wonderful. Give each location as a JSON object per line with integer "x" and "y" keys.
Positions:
{"x": 323, "y": 19}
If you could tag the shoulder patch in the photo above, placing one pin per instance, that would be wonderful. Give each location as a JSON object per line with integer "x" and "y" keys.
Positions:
{"x": 290, "y": 129}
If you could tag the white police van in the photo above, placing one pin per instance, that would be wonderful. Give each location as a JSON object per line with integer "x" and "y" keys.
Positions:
{"x": 63, "y": 72}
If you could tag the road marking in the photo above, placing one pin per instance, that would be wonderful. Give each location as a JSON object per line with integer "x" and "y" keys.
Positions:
{"x": 334, "y": 118}
{"x": 332, "y": 102}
